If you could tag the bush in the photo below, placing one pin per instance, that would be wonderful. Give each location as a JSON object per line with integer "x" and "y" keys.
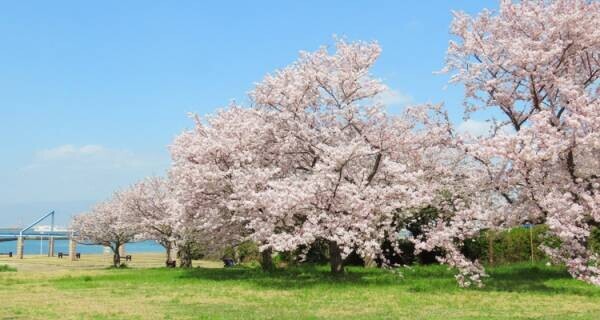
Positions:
{"x": 193, "y": 250}
{"x": 284, "y": 259}
{"x": 317, "y": 253}
{"x": 508, "y": 246}
{"x": 5, "y": 268}
{"x": 594, "y": 241}
{"x": 228, "y": 253}
{"x": 247, "y": 252}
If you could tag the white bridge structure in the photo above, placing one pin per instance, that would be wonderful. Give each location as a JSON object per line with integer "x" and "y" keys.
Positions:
{"x": 31, "y": 233}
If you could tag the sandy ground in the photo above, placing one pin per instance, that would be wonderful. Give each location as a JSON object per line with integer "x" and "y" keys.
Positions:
{"x": 36, "y": 263}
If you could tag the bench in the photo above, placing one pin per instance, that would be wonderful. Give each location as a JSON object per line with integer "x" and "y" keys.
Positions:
{"x": 171, "y": 264}
{"x": 62, "y": 255}
{"x": 9, "y": 254}
{"x": 127, "y": 258}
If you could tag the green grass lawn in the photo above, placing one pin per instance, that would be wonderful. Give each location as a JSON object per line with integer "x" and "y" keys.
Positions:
{"x": 424, "y": 292}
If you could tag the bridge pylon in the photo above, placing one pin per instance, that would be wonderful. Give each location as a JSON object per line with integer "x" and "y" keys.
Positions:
{"x": 72, "y": 248}
{"x": 51, "y": 243}
{"x": 20, "y": 247}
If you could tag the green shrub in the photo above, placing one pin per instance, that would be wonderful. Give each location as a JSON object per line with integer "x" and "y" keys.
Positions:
{"x": 285, "y": 258}
{"x": 509, "y": 246}
{"x": 193, "y": 251}
{"x": 5, "y": 268}
{"x": 317, "y": 254}
{"x": 248, "y": 252}
{"x": 229, "y": 253}
{"x": 514, "y": 245}
{"x": 245, "y": 252}
{"x": 594, "y": 240}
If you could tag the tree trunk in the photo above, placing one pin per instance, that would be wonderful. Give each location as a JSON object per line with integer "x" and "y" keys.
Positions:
{"x": 116, "y": 255}
{"x": 335, "y": 258}
{"x": 185, "y": 261}
{"x": 168, "y": 247}
{"x": 185, "y": 257}
{"x": 116, "y": 259}
{"x": 490, "y": 247}
{"x": 266, "y": 260}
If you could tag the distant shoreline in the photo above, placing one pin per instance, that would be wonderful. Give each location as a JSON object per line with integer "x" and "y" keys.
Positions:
{"x": 37, "y": 247}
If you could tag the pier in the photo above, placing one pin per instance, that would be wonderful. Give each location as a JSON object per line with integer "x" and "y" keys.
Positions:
{"x": 29, "y": 233}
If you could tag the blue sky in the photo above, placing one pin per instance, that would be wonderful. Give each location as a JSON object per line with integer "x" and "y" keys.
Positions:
{"x": 91, "y": 94}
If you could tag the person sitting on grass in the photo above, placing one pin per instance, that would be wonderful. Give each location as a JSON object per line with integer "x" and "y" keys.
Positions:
{"x": 228, "y": 262}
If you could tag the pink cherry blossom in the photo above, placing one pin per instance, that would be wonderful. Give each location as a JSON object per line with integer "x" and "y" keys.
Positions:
{"x": 536, "y": 65}
{"x": 316, "y": 157}
{"x": 107, "y": 224}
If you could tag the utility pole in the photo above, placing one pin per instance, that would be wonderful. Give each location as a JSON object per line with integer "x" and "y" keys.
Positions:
{"x": 531, "y": 241}
{"x": 490, "y": 236}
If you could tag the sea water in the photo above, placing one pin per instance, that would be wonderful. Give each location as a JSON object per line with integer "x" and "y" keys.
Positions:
{"x": 41, "y": 247}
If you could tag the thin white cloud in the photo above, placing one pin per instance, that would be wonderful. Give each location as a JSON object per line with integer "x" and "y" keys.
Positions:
{"x": 69, "y": 151}
{"x": 394, "y": 98}
{"x": 85, "y": 156}
{"x": 474, "y": 127}
{"x": 477, "y": 128}
{"x": 72, "y": 172}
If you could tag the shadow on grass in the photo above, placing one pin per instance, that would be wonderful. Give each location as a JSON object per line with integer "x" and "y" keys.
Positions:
{"x": 289, "y": 278}
{"x": 517, "y": 278}
{"x": 535, "y": 278}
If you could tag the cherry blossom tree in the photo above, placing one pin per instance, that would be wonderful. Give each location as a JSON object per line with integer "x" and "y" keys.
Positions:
{"x": 316, "y": 157}
{"x": 107, "y": 224}
{"x": 535, "y": 66}
{"x": 206, "y": 165}
{"x": 355, "y": 169}
{"x": 150, "y": 206}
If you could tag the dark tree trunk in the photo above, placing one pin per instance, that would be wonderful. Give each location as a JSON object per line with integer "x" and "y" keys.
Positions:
{"x": 185, "y": 262}
{"x": 116, "y": 259}
{"x": 168, "y": 247}
{"x": 116, "y": 255}
{"x": 335, "y": 258}
{"x": 185, "y": 257}
{"x": 266, "y": 260}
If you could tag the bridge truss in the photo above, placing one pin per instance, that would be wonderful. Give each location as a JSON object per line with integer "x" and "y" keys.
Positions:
{"x": 29, "y": 233}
